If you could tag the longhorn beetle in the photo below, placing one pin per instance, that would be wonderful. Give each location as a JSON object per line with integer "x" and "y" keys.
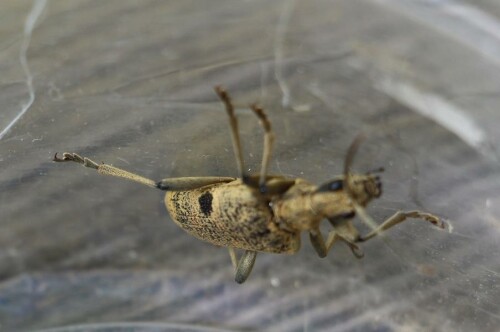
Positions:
{"x": 267, "y": 213}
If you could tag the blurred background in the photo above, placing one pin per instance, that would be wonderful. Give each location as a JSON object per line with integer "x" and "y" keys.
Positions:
{"x": 131, "y": 83}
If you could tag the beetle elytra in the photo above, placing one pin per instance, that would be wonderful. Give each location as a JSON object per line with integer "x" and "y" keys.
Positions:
{"x": 267, "y": 213}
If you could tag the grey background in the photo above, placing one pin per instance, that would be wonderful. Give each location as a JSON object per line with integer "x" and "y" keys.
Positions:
{"x": 130, "y": 83}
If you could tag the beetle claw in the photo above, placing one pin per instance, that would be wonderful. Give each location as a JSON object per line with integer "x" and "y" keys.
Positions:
{"x": 57, "y": 159}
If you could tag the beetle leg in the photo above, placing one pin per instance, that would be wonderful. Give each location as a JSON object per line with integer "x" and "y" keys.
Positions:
{"x": 238, "y": 151}
{"x": 318, "y": 242}
{"x": 104, "y": 169}
{"x": 278, "y": 186}
{"x": 274, "y": 185}
{"x": 233, "y": 121}
{"x": 189, "y": 183}
{"x": 268, "y": 145}
{"x": 333, "y": 237}
{"x": 234, "y": 259}
{"x": 323, "y": 248}
{"x": 399, "y": 217}
{"x": 244, "y": 266}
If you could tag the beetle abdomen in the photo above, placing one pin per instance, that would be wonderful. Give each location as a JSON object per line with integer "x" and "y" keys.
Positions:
{"x": 230, "y": 215}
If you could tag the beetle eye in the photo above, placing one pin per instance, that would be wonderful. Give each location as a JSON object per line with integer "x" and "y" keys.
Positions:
{"x": 335, "y": 185}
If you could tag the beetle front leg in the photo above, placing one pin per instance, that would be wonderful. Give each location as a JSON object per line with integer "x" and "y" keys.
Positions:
{"x": 318, "y": 242}
{"x": 244, "y": 266}
{"x": 323, "y": 248}
{"x": 398, "y": 218}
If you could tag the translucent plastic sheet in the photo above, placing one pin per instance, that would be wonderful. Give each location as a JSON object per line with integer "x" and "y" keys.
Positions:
{"x": 131, "y": 83}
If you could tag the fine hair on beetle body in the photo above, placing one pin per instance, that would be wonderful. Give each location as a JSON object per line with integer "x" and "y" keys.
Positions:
{"x": 267, "y": 213}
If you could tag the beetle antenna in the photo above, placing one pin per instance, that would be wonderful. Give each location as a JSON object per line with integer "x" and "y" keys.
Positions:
{"x": 376, "y": 170}
{"x": 351, "y": 152}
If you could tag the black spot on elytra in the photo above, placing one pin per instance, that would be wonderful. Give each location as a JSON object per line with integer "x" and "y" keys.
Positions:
{"x": 205, "y": 201}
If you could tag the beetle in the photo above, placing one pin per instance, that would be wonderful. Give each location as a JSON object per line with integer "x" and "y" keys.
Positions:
{"x": 267, "y": 213}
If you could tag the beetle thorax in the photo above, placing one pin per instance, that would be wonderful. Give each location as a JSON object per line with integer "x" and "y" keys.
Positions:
{"x": 302, "y": 208}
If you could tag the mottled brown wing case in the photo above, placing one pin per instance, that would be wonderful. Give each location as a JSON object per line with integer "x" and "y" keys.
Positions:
{"x": 230, "y": 215}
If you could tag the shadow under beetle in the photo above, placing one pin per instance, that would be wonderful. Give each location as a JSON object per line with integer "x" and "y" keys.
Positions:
{"x": 267, "y": 213}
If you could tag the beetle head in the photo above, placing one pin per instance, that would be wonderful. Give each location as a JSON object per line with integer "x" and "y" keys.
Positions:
{"x": 361, "y": 191}
{"x": 362, "y": 188}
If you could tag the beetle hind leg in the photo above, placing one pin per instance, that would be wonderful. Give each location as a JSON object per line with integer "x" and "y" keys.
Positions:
{"x": 268, "y": 145}
{"x": 104, "y": 169}
{"x": 233, "y": 122}
{"x": 268, "y": 140}
{"x": 243, "y": 266}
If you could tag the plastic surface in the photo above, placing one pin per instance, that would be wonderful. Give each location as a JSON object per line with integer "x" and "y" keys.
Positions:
{"x": 133, "y": 327}
{"x": 131, "y": 83}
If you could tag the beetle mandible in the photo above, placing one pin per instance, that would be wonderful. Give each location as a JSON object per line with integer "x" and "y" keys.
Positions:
{"x": 267, "y": 213}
